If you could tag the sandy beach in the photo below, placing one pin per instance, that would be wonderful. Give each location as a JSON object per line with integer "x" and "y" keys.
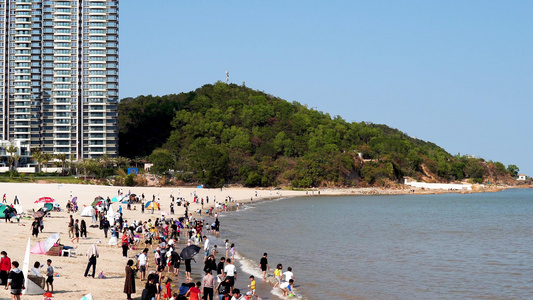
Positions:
{"x": 71, "y": 284}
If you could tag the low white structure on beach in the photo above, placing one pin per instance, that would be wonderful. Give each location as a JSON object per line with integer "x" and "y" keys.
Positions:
{"x": 439, "y": 186}
{"x": 522, "y": 177}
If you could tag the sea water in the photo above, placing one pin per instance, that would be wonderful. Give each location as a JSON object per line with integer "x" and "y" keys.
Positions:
{"x": 448, "y": 246}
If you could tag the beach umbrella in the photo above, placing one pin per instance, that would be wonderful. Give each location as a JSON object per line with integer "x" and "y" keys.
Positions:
{"x": 116, "y": 199}
{"x": 39, "y": 214}
{"x": 151, "y": 204}
{"x": 48, "y": 206}
{"x": 45, "y": 200}
{"x": 74, "y": 199}
{"x": 189, "y": 251}
{"x": 50, "y": 241}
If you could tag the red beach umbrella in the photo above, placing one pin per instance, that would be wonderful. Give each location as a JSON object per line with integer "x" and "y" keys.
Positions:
{"x": 45, "y": 200}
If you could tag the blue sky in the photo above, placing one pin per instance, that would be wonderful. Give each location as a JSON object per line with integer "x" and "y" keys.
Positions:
{"x": 456, "y": 73}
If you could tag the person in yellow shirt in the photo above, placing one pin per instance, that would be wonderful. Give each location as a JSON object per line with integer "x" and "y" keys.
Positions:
{"x": 252, "y": 286}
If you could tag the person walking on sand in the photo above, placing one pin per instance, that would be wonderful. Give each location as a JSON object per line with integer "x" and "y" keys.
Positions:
{"x": 105, "y": 226}
{"x": 76, "y": 232}
{"x": 35, "y": 228}
{"x": 49, "y": 276}
{"x": 83, "y": 229}
{"x": 129, "y": 283}
{"x": 4, "y": 200}
{"x": 92, "y": 255}
{"x": 71, "y": 227}
{"x": 125, "y": 243}
{"x": 142, "y": 263}
{"x": 15, "y": 280}
{"x": 263, "y": 265}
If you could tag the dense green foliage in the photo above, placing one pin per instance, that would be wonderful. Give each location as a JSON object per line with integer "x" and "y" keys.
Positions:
{"x": 232, "y": 134}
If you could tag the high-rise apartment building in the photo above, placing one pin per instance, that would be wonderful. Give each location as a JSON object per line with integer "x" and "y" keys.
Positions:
{"x": 59, "y": 76}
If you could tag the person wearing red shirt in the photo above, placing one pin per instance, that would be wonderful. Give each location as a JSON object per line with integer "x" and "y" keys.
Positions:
{"x": 194, "y": 292}
{"x": 125, "y": 243}
{"x": 5, "y": 267}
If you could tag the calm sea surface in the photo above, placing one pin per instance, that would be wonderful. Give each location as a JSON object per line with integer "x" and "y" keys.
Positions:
{"x": 452, "y": 246}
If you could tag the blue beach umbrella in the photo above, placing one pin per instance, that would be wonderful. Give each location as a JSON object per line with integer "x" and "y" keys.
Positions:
{"x": 116, "y": 199}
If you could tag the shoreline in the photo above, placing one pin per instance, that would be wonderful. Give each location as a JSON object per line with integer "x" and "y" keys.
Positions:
{"x": 71, "y": 282}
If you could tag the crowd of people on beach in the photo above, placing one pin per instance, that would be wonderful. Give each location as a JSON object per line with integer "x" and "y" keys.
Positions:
{"x": 158, "y": 269}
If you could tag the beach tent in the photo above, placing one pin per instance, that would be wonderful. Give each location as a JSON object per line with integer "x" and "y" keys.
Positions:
{"x": 87, "y": 211}
{"x": 151, "y": 204}
{"x": 31, "y": 287}
{"x": 116, "y": 199}
{"x": 97, "y": 201}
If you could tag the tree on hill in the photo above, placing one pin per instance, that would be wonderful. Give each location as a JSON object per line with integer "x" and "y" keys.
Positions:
{"x": 225, "y": 133}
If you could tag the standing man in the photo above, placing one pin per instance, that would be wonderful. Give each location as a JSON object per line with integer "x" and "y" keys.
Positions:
{"x": 105, "y": 226}
{"x": 71, "y": 227}
{"x": 4, "y": 199}
{"x": 231, "y": 273}
{"x": 92, "y": 254}
{"x": 209, "y": 284}
{"x": 142, "y": 262}
{"x": 263, "y": 264}
{"x": 220, "y": 269}
{"x": 5, "y": 266}
{"x": 206, "y": 248}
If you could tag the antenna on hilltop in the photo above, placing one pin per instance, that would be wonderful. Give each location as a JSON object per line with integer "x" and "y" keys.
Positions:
{"x": 227, "y": 77}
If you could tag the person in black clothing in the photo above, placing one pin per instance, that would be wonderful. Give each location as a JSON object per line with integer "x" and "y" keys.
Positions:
{"x": 35, "y": 227}
{"x": 15, "y": 279}
{"x": 150, "y": 289}
{"x": 210, "y": 264}
{"x": 263, "y": 264}
{"x": 105, "y": 226}
{"x": 83, "y": 229}
{"x": 188, "y": 269}
{"x": 224, "y": 287}
{"x": 220, "y": 268}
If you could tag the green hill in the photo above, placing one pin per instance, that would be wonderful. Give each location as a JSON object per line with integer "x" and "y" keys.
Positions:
{"x": 222, "y": 133}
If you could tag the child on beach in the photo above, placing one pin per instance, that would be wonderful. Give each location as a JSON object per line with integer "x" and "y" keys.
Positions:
{"x": 287, "y": 287}
{"x": 168, "y": 289}
{"x": 232, "y": 251}
{"x": 277, "y": 275}
{"x": 227, "y": 248}
{"x": 49, "y": 276}
{"x": 252, "y": 286}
